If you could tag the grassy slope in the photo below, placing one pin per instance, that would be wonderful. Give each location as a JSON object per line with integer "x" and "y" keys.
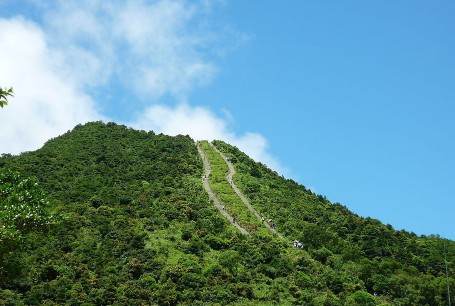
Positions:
{"x": 226, "y": 194}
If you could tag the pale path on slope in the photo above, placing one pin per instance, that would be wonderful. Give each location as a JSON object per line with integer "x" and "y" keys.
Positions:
{"x": 211, "y": 194}
{"x": 240, "y": 194}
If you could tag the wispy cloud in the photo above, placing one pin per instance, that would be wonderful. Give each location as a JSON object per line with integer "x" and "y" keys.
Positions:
{"x": 155, "y": 48}
{"x": 79, "y": 51}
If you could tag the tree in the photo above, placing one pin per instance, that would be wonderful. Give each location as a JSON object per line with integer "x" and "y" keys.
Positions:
{"x": 360, "y": 298}
{"x": 4, "y": 94}
{"x": 23, "y": 209}
{"x": 23, "y": 206}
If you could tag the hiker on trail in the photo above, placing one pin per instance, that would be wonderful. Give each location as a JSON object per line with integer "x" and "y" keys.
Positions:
{"x": 262, "y": 219}
{"x": 296, "y": 242}
{"x": 223, "y": 207}
{"x": 233, "y": 219}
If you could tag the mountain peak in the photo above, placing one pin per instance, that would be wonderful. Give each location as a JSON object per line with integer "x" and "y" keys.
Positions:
{"x": 155, "y": 219}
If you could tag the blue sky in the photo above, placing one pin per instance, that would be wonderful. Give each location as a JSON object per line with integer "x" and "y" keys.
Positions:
{"x": 353, "y": 99}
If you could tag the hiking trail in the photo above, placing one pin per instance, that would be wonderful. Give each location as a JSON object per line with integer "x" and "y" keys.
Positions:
{"x": 242, "y": 197}
{"x": 218, "y": 204}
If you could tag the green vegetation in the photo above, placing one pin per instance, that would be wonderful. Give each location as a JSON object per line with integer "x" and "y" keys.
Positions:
{"x": 383, "y": 259}
{"x": 4, "y": 94}
{"x": 226, "y": 194}
{"x": 23, "y": 209}
{"x": 139, "y": 229}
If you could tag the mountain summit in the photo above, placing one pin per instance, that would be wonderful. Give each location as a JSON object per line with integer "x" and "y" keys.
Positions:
{"x": 149, "y": 219}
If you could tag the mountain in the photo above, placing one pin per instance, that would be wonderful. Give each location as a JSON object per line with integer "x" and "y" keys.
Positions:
{"x": 140, "y": 224}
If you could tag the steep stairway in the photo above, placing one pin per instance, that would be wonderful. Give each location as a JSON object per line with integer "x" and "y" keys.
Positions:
{"x": 218, "y": 204}
{"x": 242, "y": 197}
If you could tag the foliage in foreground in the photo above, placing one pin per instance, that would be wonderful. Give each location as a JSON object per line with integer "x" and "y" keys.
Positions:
{"x": 4, "y": 94}
{"x": 23, "y": 209}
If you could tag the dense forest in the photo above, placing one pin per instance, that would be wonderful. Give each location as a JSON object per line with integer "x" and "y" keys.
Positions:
{"x": 108, "y": 215}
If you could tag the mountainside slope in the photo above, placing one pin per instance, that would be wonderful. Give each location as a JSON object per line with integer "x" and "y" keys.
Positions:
{"x": 140, "y": 229}
{"x": 318, "y": 223}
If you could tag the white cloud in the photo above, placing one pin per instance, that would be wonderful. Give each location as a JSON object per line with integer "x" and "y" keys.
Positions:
{"x": 45, "y": 103}
{"x": 202, "y": 124}
{"x": 149, "y": 49}
{"x": 155, "y": 47}
{"x": 82, "y": 46}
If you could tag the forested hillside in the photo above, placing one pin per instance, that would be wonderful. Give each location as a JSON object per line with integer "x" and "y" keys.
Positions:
{"x": 133, "y": 225}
